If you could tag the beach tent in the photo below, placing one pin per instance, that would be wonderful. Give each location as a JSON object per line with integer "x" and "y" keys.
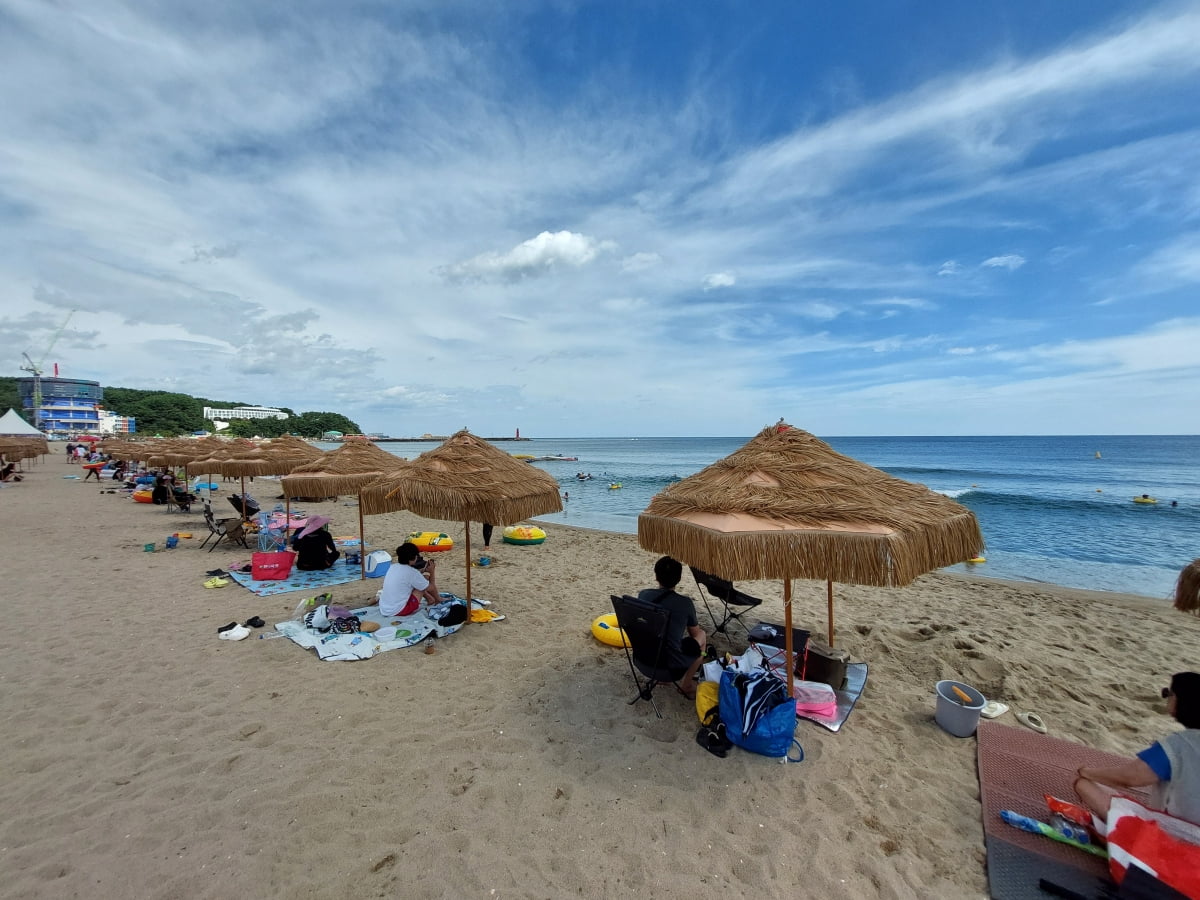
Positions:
{"x": 468, "y": 480}
{"x": 787, "y": 505}
{"x": 345, "y": 470}
{"x": 12, "y": 425}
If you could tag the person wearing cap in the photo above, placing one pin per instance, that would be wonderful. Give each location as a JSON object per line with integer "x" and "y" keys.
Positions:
{"x": 1170, "y": 767}
{"x": 408, "y": 582}
{"x": 314, "y": 546}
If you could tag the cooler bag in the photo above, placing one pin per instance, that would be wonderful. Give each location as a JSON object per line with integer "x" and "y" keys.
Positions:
{"x": 271, "y": 566}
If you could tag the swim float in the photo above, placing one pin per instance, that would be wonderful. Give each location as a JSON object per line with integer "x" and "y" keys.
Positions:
{"x": 606, "y": 631}
{"x": 431, "y": 541}
{"x": 523, "y": 534}
{"x": 975, "y": 560}
{"x": 1145, "y": 500}
{"x": 143, "y": 496}
{"x": 615, "y": 486}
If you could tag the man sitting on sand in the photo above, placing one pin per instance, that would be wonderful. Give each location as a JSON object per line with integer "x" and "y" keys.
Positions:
{"x": 685, "y": 638}
{"x": 1170, "y": 767}
{"x": 407, "y": 582}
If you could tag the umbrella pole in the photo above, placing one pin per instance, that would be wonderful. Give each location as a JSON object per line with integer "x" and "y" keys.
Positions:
{"x": 789, "y": 650}
{"x": 362, "y": 545}
{"x": 829, "y": 607}
{"x": 467, "y": 547}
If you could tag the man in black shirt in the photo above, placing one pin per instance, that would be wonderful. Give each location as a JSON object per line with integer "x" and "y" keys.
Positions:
{"x": 685, "y": 638}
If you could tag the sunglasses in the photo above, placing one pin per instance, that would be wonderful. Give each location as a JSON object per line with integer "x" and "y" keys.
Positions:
{"x": 1167, "y": 693}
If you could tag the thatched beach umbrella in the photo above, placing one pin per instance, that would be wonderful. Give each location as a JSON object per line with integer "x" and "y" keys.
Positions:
{"x": 345, "y": 470}
{"x": 468, "y": 480}
{"x": 787, "y": 505}
{"x": 1187, "y": 588}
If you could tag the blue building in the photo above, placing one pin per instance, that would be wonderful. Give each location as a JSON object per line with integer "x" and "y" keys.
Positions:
{"x": 69, "y": 405}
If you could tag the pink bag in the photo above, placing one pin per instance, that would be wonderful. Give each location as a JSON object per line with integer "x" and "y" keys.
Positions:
{"x": 271, "y": 566}
{"x": 815, "y": 698}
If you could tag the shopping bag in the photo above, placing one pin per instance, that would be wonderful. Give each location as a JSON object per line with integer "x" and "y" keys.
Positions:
{"x": 271, "y": 566}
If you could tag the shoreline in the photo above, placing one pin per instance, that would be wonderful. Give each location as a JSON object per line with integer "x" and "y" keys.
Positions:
{"x": 148, "y": 758}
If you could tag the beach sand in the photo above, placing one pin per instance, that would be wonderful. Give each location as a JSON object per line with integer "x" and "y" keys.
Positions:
{"x": 143, "y": 757}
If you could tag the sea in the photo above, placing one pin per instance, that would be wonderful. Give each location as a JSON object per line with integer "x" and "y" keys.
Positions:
{"x": 1055, "y": 510}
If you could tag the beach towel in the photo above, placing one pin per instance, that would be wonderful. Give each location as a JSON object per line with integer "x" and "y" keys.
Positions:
{"x": 312, "y": 582}
{"x": 394, "y": 632}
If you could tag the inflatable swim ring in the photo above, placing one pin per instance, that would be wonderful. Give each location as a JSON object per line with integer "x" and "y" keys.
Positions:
{"x": 977, "y": 559}
{"x": 523, "y": 534}
{"x": 143, "y": 496}
{"x": 1144, "y": 500}
{"x": 605, "y": 630}
{"x": 615, "y": 486}
{"x": 431, "y": 541}
{"x": 206, "y": 486}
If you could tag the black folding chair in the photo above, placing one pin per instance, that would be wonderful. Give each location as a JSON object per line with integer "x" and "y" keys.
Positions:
{"x": 734, "y": 604}
{"x": 646, "y": 648}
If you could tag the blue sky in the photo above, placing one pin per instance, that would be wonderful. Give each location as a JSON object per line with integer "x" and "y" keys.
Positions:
{"x": 608, "y": 218}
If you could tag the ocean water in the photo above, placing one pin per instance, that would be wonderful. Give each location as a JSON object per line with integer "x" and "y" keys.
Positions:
{"x": 1050, "y": 510}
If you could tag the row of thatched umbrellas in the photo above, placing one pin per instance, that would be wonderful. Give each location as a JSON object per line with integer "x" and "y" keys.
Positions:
{"x": 784, "y": 506}
{"x": 22, "y": 448}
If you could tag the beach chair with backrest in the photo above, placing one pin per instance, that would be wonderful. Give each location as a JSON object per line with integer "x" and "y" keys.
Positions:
{"x": 223, "y": 529}
{"x": 645, "y": 627}
{"x": 734, "y": 604}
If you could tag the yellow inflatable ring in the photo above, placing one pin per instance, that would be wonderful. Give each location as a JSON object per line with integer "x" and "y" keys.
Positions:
{"x": 1144, "y": 500}
{"x": 605, "y": 630}
{"x": 977, "y": 560}
{"x": 431, "y": 541}
{"x": 524, "y": 534}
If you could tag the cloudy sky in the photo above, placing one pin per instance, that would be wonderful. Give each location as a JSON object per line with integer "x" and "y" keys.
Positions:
{"x": 613, "y": 218}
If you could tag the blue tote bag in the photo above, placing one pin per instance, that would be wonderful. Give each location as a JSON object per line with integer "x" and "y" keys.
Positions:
{"x": 759, "y": 715}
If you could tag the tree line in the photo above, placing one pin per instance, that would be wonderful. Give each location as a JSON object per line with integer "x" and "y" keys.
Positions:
{"x": 169, "y": 414}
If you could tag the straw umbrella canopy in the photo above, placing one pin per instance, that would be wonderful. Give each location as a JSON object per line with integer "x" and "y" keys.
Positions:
{"x": 466, "y": 479}
{"x": 1187, "y": 588}
{"x": 787, "y": 505}
{"x": 345, "y": 470}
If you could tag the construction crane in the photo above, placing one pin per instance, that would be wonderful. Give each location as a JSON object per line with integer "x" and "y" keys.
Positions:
{"x": 35, "y": 369}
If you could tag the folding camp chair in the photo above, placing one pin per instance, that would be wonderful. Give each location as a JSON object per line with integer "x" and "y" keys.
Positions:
{"x": 645, "y": 627}
{"x": 734, "y": 604}
{"x": 223, "y": 529}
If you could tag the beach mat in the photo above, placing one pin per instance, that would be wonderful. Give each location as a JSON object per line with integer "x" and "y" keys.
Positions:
{"x": 397, "y": 631}
{"x": 1017, "y": 767}
{"x": 856, "y": 680}
{"x": 313, "y": 582}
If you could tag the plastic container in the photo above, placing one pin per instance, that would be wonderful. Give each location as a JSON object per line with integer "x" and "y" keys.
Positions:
{"x": 149, "y": 548}
{"x": 955, "y": 715}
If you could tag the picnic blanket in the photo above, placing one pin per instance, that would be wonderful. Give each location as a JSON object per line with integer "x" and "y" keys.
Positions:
{"x": 394, "y": 632}
{"x": 313, "y": 582}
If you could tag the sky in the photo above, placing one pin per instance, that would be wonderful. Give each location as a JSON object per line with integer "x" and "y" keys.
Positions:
{"x": 613, "y": 218}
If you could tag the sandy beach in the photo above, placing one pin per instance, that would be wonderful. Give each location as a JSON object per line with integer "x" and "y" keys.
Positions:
{"x": 146, "y": 758}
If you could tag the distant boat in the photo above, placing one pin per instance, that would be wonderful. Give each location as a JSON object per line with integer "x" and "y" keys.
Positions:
{"x": 558, "y": 457}
{"x": 1097, "y": 454}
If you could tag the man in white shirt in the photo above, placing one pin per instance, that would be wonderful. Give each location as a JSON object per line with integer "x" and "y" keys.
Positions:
{"x": 407, "y": 582}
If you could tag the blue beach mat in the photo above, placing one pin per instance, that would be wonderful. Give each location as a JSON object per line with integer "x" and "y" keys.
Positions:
{"x": 395, "y": 632}
{"x": 313, "y": 582}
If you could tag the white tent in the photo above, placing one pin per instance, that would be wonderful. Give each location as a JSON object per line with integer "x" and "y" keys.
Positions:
{"x": 12, "y": 425}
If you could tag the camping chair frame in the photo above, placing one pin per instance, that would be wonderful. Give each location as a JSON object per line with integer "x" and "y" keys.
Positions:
{"x": 645, "y": 627}
{"x": 223, "y": 529}
{"x": 734, "y": 603}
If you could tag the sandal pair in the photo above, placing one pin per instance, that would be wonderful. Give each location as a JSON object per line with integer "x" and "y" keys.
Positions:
{"x": 714, "y": 739}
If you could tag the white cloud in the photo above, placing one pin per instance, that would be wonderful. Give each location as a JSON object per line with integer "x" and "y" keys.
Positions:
{"x": 905, "y": 302}
{"x": 530, "y": 258}
{"x": 640, "y": 261}
{"x": 949, "y": 267}
{"x": 1176, "y": 263}
{"x": 719, "y": 280}
{"x": 1011, "y": 262}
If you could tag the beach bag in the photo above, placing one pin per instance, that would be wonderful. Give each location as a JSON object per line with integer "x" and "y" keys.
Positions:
{"x": 378, "y": 562}
{"x": 275, "y": 566}
{"x": 759, "y": 715}
{"x": 815, "y": 698}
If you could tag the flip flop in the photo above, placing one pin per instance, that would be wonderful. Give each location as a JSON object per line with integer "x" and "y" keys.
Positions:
{"x": 215, "y": 583}
{"x": 708, "y": 739}
{"x": 993, "y": 708}
{"x": 1033, "y": 721}
{"x": 254, "y": 622}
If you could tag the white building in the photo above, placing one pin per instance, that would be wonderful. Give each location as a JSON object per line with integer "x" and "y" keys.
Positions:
{"x": 245, "y": 412}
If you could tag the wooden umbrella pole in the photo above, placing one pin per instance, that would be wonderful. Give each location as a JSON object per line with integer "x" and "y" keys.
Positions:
{"x": 467, "y": 547}
{"x": 362, "y": 545}
{"x": 829, "y": 607}
{"x": 789, "y": 650}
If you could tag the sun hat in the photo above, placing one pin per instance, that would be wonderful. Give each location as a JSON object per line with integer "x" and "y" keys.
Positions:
{"x": 313, "y": 524}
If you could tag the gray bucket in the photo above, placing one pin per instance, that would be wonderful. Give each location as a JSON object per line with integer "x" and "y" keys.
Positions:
{"x": 959, "y": 718}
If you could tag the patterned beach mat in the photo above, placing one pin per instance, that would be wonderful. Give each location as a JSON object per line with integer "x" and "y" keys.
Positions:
{"x": 313, "y": 582}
